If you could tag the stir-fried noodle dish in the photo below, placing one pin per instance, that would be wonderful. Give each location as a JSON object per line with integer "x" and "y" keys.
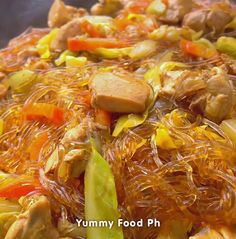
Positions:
{"x": 122, "y": 114}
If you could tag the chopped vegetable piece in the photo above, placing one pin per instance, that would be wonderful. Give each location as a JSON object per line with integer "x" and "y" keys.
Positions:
{"x": 43, "y": 46}
{"x": 52, "y": 161}
{"x": 17, "y": 191}
{"x": 164, "y": 140}
{"x": 138, "y": 6}
{"x": 43, "y": 113}
{"x": 90, "y": 44}
{"x": 143, "y": 49}
{"x": 227, "y": 45}
{"x": 167, "y": 33}
{"x": 8, "y": 206}
{"x": 229, "y": 127}
{"x": 113, "y": 53}
{"x": 62, "y": 58}
{"x": 100, "y": 198}
{"x": 197, "y": 50}
{"x": 90, "y": 29}
{"x": 21, "y": 81}
{"x": 15, "y": 186}
{"x": 36, "y": 145}
{"x": 72, "y": 61}
{"x": 231, "y": 25}
{"x": 157, "y": 7}
{"x": 129, "y": 121}
{"x": 103, "y": 117}
{"x": 205, "y": 42}
{"x": 153, "y": 75}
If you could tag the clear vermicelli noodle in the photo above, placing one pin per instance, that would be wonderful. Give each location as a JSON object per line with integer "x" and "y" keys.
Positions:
{"x": 124, "y": 113}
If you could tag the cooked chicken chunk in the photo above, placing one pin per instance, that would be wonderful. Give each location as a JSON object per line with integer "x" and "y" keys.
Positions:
{"x": 70, "y": 29}
{"x": 210, "y": 95}
{"x": 207, "y": 20}
{"x": 119, "y": 94}
{"x": 106, "y": 7}
{"x": 76, "y": 133}
{"x": 220, "y": 96}
{"x": 60, "y": 14}
{"x": 73, "y": 161}
{"x": 35, "y": 223}
{"x": 176, "y": 10}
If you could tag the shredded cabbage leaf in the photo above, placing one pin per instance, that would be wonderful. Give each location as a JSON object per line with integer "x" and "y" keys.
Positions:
{"x": 44, "y": 43}
{"x": 100, "y": 197}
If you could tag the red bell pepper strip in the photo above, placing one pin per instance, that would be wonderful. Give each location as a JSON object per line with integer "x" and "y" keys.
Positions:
{"x": 36, "y": 145}
{"x": 89, "y": 44}
{"x": 43, "y": 113}
{"x": 16, "y": 191}
{"x": 88, "y": 28}
{"x": 196, "y": 49}
{"x": 103, "y": 117}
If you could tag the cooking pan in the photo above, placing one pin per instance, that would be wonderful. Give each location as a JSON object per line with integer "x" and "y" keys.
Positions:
{"x": 17, "y": 15}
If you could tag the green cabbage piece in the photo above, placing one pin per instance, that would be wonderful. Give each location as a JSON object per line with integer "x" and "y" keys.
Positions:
{"x": 43, "y": 46}
{"x": 143, "y": 49}
{"x": 227, "y": 45}
{"x": 62, "y": 58}
{"x": 112, "y": 53}
{"x": 100, "y": 198}
{"x": 21, "y": 81}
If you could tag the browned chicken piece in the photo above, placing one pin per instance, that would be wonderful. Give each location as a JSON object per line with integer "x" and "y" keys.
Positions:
{"x": 73, "y": 161}
{"x": 70, "y": 29}
{"x": 207, "y": 20}
{"x": 210, "y": 95}
{"x": 60, "y": 14}
{"x": 176, "y": 10}
{"x": 106, "y": 7}
{"x": 119, "y": 94}
{"x": 35, "y": 223}
{"x": 78, "y": 132}
{"x": 220, "y": 96}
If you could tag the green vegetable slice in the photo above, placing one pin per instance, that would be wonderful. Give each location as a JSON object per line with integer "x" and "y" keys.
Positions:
{"x": 227, "y": 45}
{"x": 100, "y": 198}
{"x": 44, "y": 43}
{"x": 21, "y": 81}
